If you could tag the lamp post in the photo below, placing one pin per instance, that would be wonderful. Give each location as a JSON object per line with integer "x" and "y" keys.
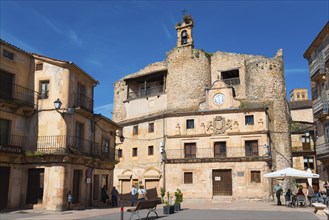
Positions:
{"x": 58, "y": 105}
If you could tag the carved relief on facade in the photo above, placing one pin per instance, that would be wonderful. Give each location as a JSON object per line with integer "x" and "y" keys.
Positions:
{"x": 236, "y": 126}
{"x": 260, "y": 123}
{"x": 177, "y": 132}
{"x": 218, "y": 125}
{"x": 203, "y": 128}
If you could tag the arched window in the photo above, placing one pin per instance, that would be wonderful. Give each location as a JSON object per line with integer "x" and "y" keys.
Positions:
{"x": 297, "y": 95}
{"x": 184, "y": 37}
{"x": 303, "y": 95}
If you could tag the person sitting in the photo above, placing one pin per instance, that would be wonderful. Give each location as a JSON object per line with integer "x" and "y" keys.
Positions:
{"x": 288, "y": 198}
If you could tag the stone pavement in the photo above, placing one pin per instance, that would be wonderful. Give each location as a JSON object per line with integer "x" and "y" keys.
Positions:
{"x": 196, "y": 209}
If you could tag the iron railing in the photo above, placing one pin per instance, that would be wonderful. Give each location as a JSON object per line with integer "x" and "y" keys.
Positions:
{"x": 60, "y": 144}
{"x": 155, "y": 90}
{"x": 231, "y": 152}
{"x": 12, "y": 143}
{"x": 19, "y": 94}
{"x": 85, "y": 102}
{"x": 322, "y": 151}
{"x": 232, "y": 81}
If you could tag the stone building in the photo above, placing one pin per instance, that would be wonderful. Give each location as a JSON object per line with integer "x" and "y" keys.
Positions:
{"x": 51, "y": 142}
{"x": 302, "y": 130}
{"x": 208, "y": 124}
{"x": 317, "y": 55}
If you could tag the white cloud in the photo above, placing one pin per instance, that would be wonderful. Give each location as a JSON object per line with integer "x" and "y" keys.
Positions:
{"x": 105, "y": 110}
{"x": 167, "y": 32}
{"x": 296, "y": 70}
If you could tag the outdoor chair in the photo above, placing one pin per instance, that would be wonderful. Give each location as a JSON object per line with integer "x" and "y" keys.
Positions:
{"x": 301, "y": 200}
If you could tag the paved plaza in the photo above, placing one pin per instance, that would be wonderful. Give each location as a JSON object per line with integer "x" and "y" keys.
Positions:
{"x": 235, "y": 210}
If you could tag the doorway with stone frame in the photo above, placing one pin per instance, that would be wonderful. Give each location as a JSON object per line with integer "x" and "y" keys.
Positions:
{"x": 222, "y": 182}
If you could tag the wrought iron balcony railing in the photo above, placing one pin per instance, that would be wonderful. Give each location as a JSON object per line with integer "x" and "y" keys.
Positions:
{"x": 61, "y": 144}
{"x": 11, "y": 143}
{"x": 322, "y": 151}
{"x": 152, "y": 91}
{"x": 229, "y": 152}
{"x": 19, "y": 94}
{"x": 84, "y": 102}
{"x": 232, "y": 81}
{"x": 320, "y": 106}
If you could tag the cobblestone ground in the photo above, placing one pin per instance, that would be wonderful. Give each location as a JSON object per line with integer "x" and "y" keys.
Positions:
{"x": 236, "y": 210}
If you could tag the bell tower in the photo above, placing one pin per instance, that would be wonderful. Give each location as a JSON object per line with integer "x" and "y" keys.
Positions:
{"x": 184, "y": 32}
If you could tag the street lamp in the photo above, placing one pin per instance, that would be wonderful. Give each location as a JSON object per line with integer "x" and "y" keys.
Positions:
{"x": 58, "y": 105}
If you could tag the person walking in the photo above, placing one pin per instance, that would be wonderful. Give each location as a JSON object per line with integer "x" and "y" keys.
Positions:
{"x": 278, "y": 191}
{"x": 105, "y": 196}
{"x": 309, "y": 193}
{"x": 114, "y": 197}
{"x": 133, "y": 195}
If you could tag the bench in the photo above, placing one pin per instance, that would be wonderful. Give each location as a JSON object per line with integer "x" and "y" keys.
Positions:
{"x": 319, "y": 208}
{"x": 150, "y": 205}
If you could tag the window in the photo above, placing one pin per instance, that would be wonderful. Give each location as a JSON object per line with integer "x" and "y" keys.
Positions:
{"x": 79, "y": 135}
{"x": 303, "y": 95}
{"x": 298, "y": 95}
{"x": 231, "y": 77}
{"x": 326, "y": 130}
{"x": 251, "y": 148}
{"x": 134, "y": 152}
{"x": 106, "y": 146}
{"x": 6, "y": 85}
{"x": 190, "y": 150}
{"x": 190, "y": 124}
{"x": 135, "y": 130}
{"x": 39, "y": 66}
{"x": 150, "y": 150}
{"x": 43, "y": 89}
{"x": 151, "y": 127}
{"x": 4, "y": 131}
{"x": 81, "y": 95}
{"x": 119, "y": 153}
{"x": 219, "y": 149}
{"x": 306, "y": 140}
{"x": 188, "y": 177}
{"x": 249, "y": 120}
{"x": 8, "y": 54}
{"x": 255, "y": 176}
{"x": 184, "y": 37}
{"x": 308, "y": 162}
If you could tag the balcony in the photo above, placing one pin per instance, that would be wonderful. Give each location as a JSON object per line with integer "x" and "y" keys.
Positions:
{"x": 13, "y": 143}
{"x": 62, "y": 144}
{"x": 322, "y": 151}
{"x": 84, "y": 102}
{"x": 232, "y": 81}
{"x": 230, "y": 154}
{"x": 19, "y": 95}
{"x": 317, "y": 67}
{"x": 320, "y": 107}
{"x": 152, "y": 91}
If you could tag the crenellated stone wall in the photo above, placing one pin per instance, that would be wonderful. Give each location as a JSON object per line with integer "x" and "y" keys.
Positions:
{"x": 188, "y": 76}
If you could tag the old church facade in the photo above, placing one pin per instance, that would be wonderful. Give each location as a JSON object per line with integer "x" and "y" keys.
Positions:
{"x": 208, "y": 124}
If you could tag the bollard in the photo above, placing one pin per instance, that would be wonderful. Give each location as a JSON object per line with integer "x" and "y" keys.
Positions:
{"x": 121, "y": 209}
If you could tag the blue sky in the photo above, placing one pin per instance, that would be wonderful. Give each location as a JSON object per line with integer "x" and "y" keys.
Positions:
{"x": 111, "y": 39}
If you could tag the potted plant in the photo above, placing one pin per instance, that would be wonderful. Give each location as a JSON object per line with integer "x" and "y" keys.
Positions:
{"x": 168, "y": 208}
{"x": 178, "y": 200}
{"x": 162, "y": 193}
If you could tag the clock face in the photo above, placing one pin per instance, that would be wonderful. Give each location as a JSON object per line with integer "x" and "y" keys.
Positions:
{"x": 218, "y": 99}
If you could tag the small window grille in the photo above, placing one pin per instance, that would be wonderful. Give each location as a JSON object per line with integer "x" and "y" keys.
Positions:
{"x": 8, "y": 54}
{"x": 188, "y": 177}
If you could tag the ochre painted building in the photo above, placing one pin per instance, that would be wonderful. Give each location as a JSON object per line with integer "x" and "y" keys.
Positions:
{"x": 208, "y": 124}
{"x": 47, "y": 151}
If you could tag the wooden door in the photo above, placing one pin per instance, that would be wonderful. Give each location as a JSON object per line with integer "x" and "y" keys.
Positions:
{"x": 35, "y": 186}
{"x": 77, "y": 177}
{"x": 222, "y": 182}
{"x": 4, "y": 186}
